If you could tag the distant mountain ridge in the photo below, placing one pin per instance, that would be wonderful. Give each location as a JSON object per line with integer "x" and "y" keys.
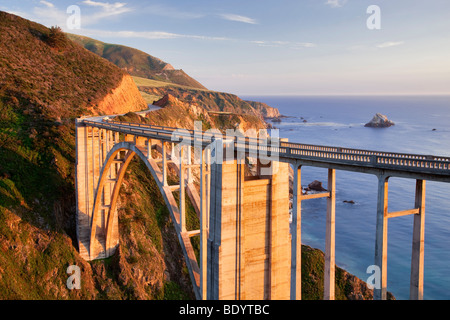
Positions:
{"x": 136, "y": 62}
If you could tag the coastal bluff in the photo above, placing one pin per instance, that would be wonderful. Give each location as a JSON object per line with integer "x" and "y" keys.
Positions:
{"x": 122, "y": 99}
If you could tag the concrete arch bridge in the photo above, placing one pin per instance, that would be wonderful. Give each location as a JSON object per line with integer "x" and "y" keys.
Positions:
{"x": 250, "y": 240}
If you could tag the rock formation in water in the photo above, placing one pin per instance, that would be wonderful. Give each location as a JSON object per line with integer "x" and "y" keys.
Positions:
{"x": 379, "y": 121}
{"x": 315, "y": 186}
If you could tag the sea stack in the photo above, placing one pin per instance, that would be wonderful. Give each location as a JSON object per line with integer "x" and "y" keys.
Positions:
{"x": 379, "y": 121}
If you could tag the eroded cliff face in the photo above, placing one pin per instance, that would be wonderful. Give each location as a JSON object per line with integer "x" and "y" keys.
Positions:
{"x": 265, "y": 110}
{"x": 124, "y": 98}
{"x": 177, "y": 112}
{"x": 214, "y": 101}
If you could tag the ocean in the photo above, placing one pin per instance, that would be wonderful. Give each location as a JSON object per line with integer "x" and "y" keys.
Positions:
{"x": 422, "y": 126}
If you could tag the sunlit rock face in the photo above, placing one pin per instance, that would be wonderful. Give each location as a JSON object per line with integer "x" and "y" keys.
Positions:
{"x": 380, "y": 121}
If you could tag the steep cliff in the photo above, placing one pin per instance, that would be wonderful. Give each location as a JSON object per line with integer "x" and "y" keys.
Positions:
{"x": 217, "y": 104}
{"x": 265, "y": 110}
{"x": 122, "y": 99}
{"x": 177, "y": 112}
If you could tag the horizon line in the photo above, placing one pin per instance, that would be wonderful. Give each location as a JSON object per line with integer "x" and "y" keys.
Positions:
{"x": 442, "y": 94}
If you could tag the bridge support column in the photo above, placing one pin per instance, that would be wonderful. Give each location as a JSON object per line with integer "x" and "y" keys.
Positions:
{"x": 296, "y": 236}
{"x": 204, "y": 215}
{"x": 149, "y": 149}
{"x": 329, "y": 277}
{"x": 82, "y": 188}
{"x": 417, "y": 258}
{"x": 381, "y": 240}
{"x": 250, "y": 249}
{"x": 164, "y": 162}
{"x": 182, "y": 175}
{"x": 329, "y": 263}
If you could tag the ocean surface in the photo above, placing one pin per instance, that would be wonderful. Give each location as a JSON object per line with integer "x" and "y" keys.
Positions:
{"x": 339, "y": 121}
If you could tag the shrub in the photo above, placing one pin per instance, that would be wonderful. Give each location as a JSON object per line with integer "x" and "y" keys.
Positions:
{"x": 56, "y": 38}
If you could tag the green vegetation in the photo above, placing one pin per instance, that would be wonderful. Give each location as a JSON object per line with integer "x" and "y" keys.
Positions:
{"x": 145, "y": 82}
{"x": 150, "y": 99}
{"x": 136, "y": 62}
{"x": 56, "y": 37}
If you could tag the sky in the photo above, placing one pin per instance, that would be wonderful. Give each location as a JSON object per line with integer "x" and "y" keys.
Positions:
{"x": 274, "y": 47}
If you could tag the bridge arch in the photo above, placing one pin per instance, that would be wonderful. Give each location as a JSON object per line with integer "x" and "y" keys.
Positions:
{"x": 109, "y": 239}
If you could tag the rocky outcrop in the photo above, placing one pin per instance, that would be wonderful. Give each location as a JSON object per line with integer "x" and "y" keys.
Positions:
{"x": 214, "y": 101}
{"x": 175, "y": 112}
{"x": 379, "y": 121}
{"x": 125, "y": 98}
{"x": 166, "y": 101}
{"x": 265, "y": 110}
{"x": 315, "y": 186}
{"x": 168, "y": 67}
{"x": 347, "y": 285}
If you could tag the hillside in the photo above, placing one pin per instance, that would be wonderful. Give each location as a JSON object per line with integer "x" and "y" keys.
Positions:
{"x": 46, "y": 81}
{"x": 136, "y": 62}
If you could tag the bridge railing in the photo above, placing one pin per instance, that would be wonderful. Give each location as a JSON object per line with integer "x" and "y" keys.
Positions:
{"x": 363, "y": 152}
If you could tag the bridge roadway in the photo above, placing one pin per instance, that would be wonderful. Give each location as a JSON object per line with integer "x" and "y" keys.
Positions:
{"x": 380, "y": 163}
{"x": 413, "y": 166}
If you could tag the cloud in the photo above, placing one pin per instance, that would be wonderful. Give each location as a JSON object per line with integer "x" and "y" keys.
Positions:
{"x": 48, "y": 4}
{"x": 48, "y": 14}
{"x": 149, "y": 35}
{"x": 305, "y": 44}
{"x": 390, "y": 44}
{"x": 287, "y": 44}
{"x": 238, "y": 18}
{"x": 107, "y": 9}
{"x": 171, "y": 12}
{"x": 105, "y": 5}
{"x": 336, "y": 3}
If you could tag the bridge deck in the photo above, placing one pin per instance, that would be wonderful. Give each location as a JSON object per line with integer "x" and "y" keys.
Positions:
{"x": 415, "y": 166}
